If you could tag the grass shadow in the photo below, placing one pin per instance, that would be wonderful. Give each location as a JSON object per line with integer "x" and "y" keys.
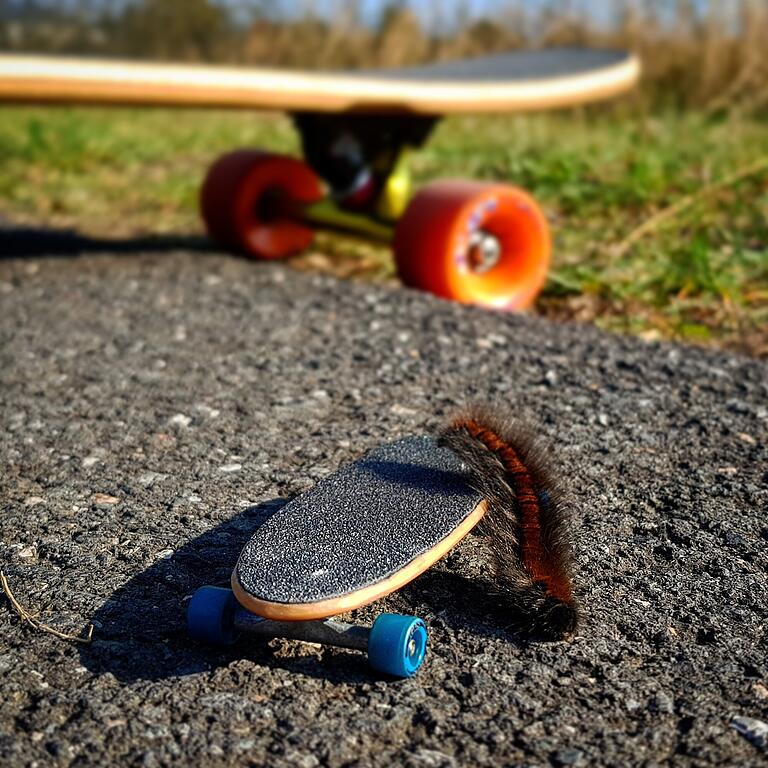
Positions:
{"x": 33, "y": 242}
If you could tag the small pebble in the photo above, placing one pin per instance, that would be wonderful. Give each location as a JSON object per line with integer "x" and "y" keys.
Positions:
{"x": 753, "y": 730}
{"x": 664, "y": 703}
{"x": 105, "y": 498}
{"x": 148, "y": 479}
{"x": 760, "y": 691}
{"x": 27, "y": 553}
{"x": 568, "y": 757}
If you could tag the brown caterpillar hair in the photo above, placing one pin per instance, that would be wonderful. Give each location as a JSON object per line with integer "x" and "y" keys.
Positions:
{"x": 527, "y": 521}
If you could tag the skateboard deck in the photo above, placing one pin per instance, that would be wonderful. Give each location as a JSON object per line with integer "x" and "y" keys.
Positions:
{"x": 521, "y": 80}
{"x": 359, "y": 534}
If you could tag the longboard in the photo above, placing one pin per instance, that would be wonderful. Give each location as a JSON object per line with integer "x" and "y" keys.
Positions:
{"x": 521, "y": 80}
{"x": 359, "y": 534}
{"x": 482, "y": 243}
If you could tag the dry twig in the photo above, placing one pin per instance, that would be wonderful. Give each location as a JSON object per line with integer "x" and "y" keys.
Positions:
{"x": 665, "y": 214}
{"x": 28, "y": 618}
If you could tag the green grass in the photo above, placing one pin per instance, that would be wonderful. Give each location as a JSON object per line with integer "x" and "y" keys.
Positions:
{"x": 699, "y": 275}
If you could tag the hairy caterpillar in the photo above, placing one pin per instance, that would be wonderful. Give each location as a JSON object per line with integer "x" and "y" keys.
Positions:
{"x": 527, "y": 522}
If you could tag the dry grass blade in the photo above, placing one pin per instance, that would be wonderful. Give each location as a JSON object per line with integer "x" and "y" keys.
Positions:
{"x": 28, "y": 618}
{"x": 665, "y": 214}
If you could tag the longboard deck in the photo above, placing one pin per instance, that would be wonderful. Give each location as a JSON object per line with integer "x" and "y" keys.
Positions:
{"x": 521, "y": 80}
{"x": 359, "y": 534}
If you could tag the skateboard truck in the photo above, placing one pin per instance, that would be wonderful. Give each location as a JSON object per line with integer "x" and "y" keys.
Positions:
{"x": 395, "y": 644}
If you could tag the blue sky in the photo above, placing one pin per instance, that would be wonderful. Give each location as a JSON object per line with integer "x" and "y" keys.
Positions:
{"x": 599, "y": 10}
{"x": 426, "y": 8}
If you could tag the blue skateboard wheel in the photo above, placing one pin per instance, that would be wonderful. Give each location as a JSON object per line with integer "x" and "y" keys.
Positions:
{"x": 211, "y": 616}
{"x": 397, "y": 644}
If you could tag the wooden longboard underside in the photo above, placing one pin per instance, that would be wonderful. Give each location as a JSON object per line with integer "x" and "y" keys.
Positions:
{"x": 359, "y": 534}
{"x": 523, "y": 80}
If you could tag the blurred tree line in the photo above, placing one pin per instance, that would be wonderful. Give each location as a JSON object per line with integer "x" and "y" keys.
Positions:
{"x": 711, "y": 59}
{"x": 190, "y": 30}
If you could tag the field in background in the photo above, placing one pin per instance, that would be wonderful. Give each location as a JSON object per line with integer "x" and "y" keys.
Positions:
{"x": 661, "y": 221}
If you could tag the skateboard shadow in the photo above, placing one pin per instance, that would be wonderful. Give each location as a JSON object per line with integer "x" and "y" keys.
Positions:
{"x": 140, "y": 631}
{"x": 28, "y": 242}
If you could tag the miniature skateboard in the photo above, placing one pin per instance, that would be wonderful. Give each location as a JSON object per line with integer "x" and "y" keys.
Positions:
{"x": 484, "y": 243}
{"x": 358, "y": 535}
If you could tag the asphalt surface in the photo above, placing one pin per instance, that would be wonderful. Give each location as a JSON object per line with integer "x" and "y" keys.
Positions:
{"x": 156, "y": 407}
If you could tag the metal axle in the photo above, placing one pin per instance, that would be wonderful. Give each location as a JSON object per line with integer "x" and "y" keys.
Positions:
{"x": 327, "y": 632}
{"x": 329, "y": 215}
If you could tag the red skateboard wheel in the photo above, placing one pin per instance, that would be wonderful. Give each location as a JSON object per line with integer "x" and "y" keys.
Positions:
{"x": 245, "y": 199}
{"x": 475, "y": 242}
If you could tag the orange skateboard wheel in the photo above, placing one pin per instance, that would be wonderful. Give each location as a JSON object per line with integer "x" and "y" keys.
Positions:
{"x": 475, "y": 242}
{"x": 246, "y": 198}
